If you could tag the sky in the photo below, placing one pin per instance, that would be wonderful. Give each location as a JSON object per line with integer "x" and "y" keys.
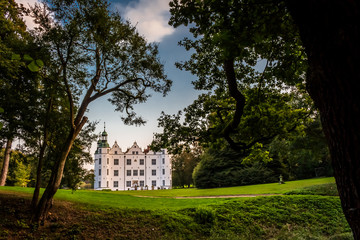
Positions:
{"x": 151, "y": 19}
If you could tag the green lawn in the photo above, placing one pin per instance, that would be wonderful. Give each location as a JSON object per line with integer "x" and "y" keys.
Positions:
{"x": 270, "y": 188}
{"x": 164, "y": 199}
{"x": 123, "y": 215}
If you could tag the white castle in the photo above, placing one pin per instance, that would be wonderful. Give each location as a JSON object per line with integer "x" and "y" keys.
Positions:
{"x": 133, "y": 169}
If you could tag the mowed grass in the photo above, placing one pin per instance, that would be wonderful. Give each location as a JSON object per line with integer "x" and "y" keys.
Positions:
{"x": 165, "y": 199}
{"x": 270, "y": 188}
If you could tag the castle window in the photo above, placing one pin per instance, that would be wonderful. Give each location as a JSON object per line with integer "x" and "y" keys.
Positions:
{"x": 133, "y": 153}
{"x": 141, "y": 172}
{"x": 116, "y": 161}
{"x": 135, "y": 172}
{"x": 163, "y": 160}
{"x": 107, "y": 161}
{"x": 163, "y": 171}
{"x": 137, "y": 152}
{"x": 141, "y": 183}
{"x": 99, "y": 150}
{"x": 99, "y": 184}
{"x": 116, "y": 184}
{"x": 128, "y": 161}
{"x": 107, "y": 183}
{"x": 141, "y": 161}
{"x": 116, "y": 173}
{"x": 128, "y": 183}
{"x": 153, "y": 161}
{"x": 163, "y": 182}
{"x": 153, "y": 183}
{"x": 153, "y": 172}
{"x": 99, "y": 172}
{"x": 128, "y": 172}
{"x": 107, "y": 171}
{"x": 99, "y": 161}
{"x": 115, "y": 152}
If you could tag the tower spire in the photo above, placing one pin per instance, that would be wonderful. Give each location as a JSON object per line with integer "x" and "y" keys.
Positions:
{"x": 104, "y": 127}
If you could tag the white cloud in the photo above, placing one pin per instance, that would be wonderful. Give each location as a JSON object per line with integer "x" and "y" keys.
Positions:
{"x": 150, "y": 17}
{"x": 28, "y": 20}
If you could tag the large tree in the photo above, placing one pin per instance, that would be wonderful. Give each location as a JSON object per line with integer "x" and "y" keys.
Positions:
{"x": 95, "y": 53}
{"x": 327, "y": 31}
{"x": 18, "y": 86}
{"x": 330, "y": 33}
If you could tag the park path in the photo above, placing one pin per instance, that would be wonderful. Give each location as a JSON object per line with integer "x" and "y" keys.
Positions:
{"x": 218, "y": 196}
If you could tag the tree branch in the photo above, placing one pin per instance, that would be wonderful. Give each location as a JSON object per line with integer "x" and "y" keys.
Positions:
{"x": 239, "y": 107}
{"x": 100, "y": 94}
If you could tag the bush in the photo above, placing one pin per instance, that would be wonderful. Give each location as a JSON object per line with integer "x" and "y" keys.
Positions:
{"x": 226, "y": 170}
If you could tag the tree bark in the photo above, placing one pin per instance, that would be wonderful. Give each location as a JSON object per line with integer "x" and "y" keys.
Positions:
{"x": 240, "y": 104}
{"x": 5, "y": 167}
{"x": 45, "y": 202}
{"x": 330, "y": 33}
{"x": 36, "y": 193}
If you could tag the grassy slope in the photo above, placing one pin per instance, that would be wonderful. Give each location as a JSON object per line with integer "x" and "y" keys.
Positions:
{"x": 165, "y": 200}
{"x": 118, "y": 215}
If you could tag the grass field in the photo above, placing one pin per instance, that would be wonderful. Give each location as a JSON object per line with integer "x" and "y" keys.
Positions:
{"x": 125, "y": 215}
{"x": 165, "y": 199}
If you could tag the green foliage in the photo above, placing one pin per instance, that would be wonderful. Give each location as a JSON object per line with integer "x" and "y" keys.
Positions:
{"x": 20, "y": 168}
{"x": 22, "y": 175}
{"x": 303, "y": 155}
{"x": 182, "y": 169}
{"x": 257, "y": 155}
{"x": 79, "y": 155}
{"x": 227, "y": 168}
{"x": 204, "y": 215}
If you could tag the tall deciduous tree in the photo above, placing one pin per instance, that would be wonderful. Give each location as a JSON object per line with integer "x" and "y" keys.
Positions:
{"x": 328, "y": 32}
{"x": 95, "y": 53}
{"x": 18, "y": 83}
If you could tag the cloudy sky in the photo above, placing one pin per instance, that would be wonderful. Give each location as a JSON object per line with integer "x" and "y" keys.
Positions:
{"x": 151, "y": 19}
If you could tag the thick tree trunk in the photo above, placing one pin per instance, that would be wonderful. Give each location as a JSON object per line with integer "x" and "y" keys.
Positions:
{"x": 331, "y": 35}
{"x": 5, "y": 167}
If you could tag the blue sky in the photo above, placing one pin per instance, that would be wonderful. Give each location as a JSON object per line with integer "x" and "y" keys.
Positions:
{"x": 151, "y": 19}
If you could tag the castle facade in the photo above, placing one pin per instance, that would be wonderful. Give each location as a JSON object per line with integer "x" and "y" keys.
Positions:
{"x": 134, "y": 169}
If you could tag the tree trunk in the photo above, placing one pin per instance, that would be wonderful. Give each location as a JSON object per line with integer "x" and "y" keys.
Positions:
{"x": 331, "y": 35}
{"x": 45, "y": 202}
{"x": 54, "y": 183}
{"x": 5, "y": 167}
{"x": 36, "y": 193}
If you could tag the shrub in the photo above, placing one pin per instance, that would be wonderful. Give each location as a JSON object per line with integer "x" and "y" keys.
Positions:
{"x": 226, "y": 170}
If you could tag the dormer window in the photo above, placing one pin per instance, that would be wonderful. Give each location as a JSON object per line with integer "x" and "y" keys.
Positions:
{"x": 115, "y": 152}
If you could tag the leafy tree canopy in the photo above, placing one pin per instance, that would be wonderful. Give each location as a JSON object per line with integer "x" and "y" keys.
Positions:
{"x": 245, "y": 62}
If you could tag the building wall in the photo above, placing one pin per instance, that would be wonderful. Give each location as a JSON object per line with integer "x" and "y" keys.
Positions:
{"x": 132, "y": 169}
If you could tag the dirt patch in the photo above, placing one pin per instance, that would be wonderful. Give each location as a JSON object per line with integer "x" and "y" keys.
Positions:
{"x": 68, "y": 221}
